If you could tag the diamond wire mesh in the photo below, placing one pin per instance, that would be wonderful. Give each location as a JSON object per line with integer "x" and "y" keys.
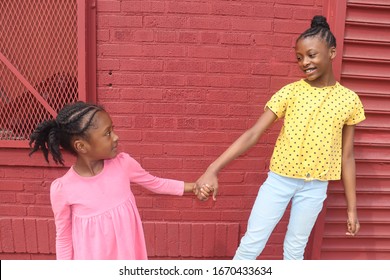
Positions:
{"x": 39, "y": 38}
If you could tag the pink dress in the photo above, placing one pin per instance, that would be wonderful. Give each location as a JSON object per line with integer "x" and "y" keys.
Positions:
{"x": 97, "y": 217}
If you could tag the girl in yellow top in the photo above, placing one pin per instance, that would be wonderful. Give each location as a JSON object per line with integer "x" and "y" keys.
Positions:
{"x": 315, "y": 145}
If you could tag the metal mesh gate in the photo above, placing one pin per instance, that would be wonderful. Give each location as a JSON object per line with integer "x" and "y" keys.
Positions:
{"x": 39, "y": 68}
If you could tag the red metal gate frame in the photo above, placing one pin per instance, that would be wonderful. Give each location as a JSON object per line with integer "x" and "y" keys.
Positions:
{"x": 14, "y": 153}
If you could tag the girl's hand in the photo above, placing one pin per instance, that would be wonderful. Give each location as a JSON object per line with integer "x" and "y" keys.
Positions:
{"x": 203, "y": 192}
{"x": 353, "y": 225}
{"x": 208, "y": 181}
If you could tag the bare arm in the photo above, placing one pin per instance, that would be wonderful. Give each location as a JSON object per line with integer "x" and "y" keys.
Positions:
{"x": 349, "y": 179}
{"x": 247, "y": 140}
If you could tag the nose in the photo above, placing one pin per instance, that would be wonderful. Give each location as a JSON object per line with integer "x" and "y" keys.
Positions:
{"x": 115, "y": 137}
{"x": 305, "y": 61}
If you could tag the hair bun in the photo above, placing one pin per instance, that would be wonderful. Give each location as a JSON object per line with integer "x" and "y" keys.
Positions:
{"x": 319, "y": 22}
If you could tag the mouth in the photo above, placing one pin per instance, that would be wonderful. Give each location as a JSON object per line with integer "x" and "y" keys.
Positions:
{"x": 309, "y": 70}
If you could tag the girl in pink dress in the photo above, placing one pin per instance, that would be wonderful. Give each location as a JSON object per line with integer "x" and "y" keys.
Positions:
{"x": 94, "y": 209}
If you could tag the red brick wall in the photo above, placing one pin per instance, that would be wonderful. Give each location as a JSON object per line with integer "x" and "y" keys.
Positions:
{"x": 181, "y": 80}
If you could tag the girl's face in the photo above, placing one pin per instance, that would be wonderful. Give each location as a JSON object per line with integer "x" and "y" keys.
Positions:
{"x": 315, "y": 60}
{"x": 102, "y": 142}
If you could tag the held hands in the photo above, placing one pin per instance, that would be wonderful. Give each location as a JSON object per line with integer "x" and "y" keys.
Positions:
{"x": 206, "y": 184}
{"x": 353, "y": 225}
{"x": 203, "y": 192}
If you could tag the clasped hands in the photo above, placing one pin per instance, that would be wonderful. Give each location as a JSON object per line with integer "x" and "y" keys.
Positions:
{"x": 205, "y": 186}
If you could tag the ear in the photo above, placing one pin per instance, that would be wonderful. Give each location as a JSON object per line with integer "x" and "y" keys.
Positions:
{"x": 332, "y": 53}
{"x": 80, "y": 146}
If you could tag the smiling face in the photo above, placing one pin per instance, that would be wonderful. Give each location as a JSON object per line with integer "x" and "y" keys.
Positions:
{"x": 101, "y": 141}
{"x": 315, "y": 60}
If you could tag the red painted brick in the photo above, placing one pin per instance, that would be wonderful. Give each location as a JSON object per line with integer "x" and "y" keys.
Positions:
{"x": 7, "y": 197}
{"x": 284, "y": 12}
{"x": 232, "y": 239}
{"x": 10, "y": 185}
{"x": 188, "y": 7}
{"x": 218, "y": 23}
{"x": 121, "y": 36}
{"x": 115, "y": 50}
{"x": 13, "y": 210}
{"x": 200, "y": 215}
{"x": 35, "y": 186}
{"x": 157, "y": 163}
{"x": 247, "y": 24}
{"x": 161, "y": 239}
{"x": 183, "y": 150}
{"x": 165, "y": 21}
{"x": 143, "y": 122}
{"x": 142, "y": 66}
{"x": 157, "y": 214}
{"x": 149, "y": 238}
{"x": 43, "y": 199}
{"x": 163, "y": 80}
{"x": 185, "y": 66}
{"x": 31, "y": 235}
{"x": 186, "y": 240}
{"x": 165, "y": 36}
{"x": 108, "y": 64}
{"x": 43, "y": 236}
{"x": 52, "y": 236}
{"x": 196, "y": 240}
{"x": 124, "y": 107}
{"x": 173, "y": 237}
{"x": 140, "y": 149}
{"x": 25, "y": 198}
{"x": 143, "y": 35}
{"x": 143, "y": 6}
{"x": 108, "y": 6}
{"x": 209, "y": 240}
{"x": 103, "y": 35}
{"x": 119, "y": 21}
{"x": 209, "y": 37}
{"x": 19, "y": 237}
{"x": 237, "y": 38}
{"x": 42, "y": 257}
{"x": 188, "y": 37}
{"x": 221, "y": 239}
{"x": 239, "y": 9}
{"x": 7, "y": 239}
{"x": 40, "y": 211}
{"x": 167, "y": 202}
{"x": 208, "y": 52}
{"x": 185, "y": 94}
{"x": 12, "y": 256}
{"x": 119, "y": 79}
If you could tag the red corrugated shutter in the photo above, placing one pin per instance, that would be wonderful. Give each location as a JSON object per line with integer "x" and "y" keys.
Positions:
{"x": 365, "y": 69}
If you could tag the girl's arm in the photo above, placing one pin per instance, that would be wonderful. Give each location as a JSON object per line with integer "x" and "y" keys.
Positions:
{"x": 247, "y": 140}
{"x": 349, "y": 179}
{"x": 188, "y": 187}
{"x": 63, "y": 221}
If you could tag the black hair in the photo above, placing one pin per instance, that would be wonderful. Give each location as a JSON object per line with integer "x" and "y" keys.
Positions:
{"x": 319, "y": 27}
{"x": 72, "y": 120}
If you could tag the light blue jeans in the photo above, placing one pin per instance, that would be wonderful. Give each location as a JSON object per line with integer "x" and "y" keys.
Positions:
{"x": 272, "y": 200}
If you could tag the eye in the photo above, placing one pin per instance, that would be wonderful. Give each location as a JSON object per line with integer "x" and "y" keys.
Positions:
{"x": 108, "y": 133}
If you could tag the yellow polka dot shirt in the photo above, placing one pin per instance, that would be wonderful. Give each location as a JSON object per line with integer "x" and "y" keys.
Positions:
{"x": 310, "y": 141}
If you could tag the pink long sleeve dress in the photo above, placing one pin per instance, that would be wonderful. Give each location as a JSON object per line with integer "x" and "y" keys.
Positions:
{"x": 97, "y": 217}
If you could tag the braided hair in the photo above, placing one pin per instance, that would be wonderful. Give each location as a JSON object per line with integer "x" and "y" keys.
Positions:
{"x": 72, "y": 120}
{"x": 319, "y": 27}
